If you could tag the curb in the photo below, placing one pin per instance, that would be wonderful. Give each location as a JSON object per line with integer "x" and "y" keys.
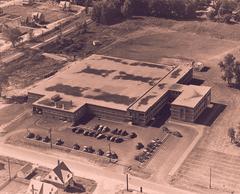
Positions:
{"x": 186, "y": 152}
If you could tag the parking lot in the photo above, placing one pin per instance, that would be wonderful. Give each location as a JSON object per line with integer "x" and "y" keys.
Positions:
{"x": 98, "y": 139}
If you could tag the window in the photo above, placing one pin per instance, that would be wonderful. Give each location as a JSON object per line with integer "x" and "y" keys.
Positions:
{"x": 50, "y": 177}
{"x": 56, "y": 178}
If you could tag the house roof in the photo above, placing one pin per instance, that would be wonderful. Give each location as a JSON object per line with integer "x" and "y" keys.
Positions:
{"x": 60, "y": 174}
{"x": 41, "y": 187}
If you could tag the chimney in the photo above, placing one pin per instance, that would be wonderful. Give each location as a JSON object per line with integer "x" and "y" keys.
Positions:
{"x": 59, "y": 162}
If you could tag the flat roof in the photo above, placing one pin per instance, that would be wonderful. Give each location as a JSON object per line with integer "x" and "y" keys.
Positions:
{"x": 190, "y": 95}
{"x": 108, "y": 82}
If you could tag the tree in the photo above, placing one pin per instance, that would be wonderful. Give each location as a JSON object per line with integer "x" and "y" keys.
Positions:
{"x": 87, "y": 4}
{"x": 12, "y": 34}
{"x": 84, "y": 27}
{"x": 127, "y": 9}
{"x": 231, "y": 134}
{"x": 159, "y": 8}
{"x": 226, "y": 7}
{"x": 107, "y": 11}
{"x": 227, "y": 67}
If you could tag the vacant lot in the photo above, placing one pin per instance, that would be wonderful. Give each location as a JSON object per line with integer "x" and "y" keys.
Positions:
{"x": 155, "y": 44}
{"x": 51, "y": 12}
{"x": 26, "y": 71}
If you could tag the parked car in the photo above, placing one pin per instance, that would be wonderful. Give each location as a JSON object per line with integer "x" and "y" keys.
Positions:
{"x": 124, "y": 133}
{"x": 96, "y": 134}
{"x": 115, "y": 131}
{"x": 119, "y": 132}
{"x": 92, "y": 133}
{"x": 76, "y": 146}
{"x": 86, "y": 133}
{"x": 100, "y": 152}
{"x": 113, "y": 138}
{"x": 74, "y": 129}
{"x": 111, "y": 155}
{"x": 151, "y": 145}
{"x": 88, "y": 149}
{"x": 79, "y": 131}
{"x": 100, "y": 128}
{"x": 177, "y": 134}
{"x": 119, "y": 140}
{"x": 101, "y": 136}
{"x": 30, "y": 135}
{"x": 59, "y": 142}
{"x": 133, "y": 135}
{"x": 165, "y": 129}
{"x": 46, "y": 139}
{"x": 139, "y": 146}
{"x": 105, "y": 129}
{"x": 38, "y": 137}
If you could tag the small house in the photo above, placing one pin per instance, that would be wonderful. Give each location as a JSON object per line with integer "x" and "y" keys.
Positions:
{"x": 38, "y": 187}
{"x": 61, "y": 176}
{"x": 26, "y": 170}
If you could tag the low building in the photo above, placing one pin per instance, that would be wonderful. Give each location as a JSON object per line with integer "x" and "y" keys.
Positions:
{"x": 26, "y": 170}
{"x": 114, "y": 89}
{"x": 60, "y": 176}
{"x": 191, "y": 102}
{"x": 38, "y": 187}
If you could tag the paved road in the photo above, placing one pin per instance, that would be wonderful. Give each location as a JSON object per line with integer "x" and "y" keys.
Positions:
{"x": 108, "y": 181}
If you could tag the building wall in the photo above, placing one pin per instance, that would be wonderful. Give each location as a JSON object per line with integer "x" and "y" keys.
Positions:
{"x": 143, "y": 118}
{"x": 190, "y": 114}
{"x": 54, "y": 113}
{"x": 108, "y": 113}
{"x": 186, "y": 78}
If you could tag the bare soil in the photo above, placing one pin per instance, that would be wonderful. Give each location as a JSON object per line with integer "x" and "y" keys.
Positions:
{"x": 26, "y": 71}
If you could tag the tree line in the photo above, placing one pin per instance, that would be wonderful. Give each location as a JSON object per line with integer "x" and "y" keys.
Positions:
{"x": 111, "y": 11}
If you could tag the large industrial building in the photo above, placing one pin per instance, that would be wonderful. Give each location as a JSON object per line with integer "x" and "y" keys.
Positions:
{"x": 119, "y": 89}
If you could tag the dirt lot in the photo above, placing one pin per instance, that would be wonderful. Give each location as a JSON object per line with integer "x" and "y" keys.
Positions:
{"x": 12, "y": 187}
{"x": 15, "y": 75}
{"x": 52, "y": 12}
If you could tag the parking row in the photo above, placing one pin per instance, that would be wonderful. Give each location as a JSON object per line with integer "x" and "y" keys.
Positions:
{"x": 76, "y": 147}
{"x": 103, "y": 132}
{"x": 148, "y": 151}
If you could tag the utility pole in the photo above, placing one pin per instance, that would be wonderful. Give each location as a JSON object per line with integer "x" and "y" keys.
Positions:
{"x": 109, "y": 148}
{"x": 127, "y": 181}
{"x": 9, "y": 169}
{"x": 210, "y": 178}
{"x": 50, "y": 136}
